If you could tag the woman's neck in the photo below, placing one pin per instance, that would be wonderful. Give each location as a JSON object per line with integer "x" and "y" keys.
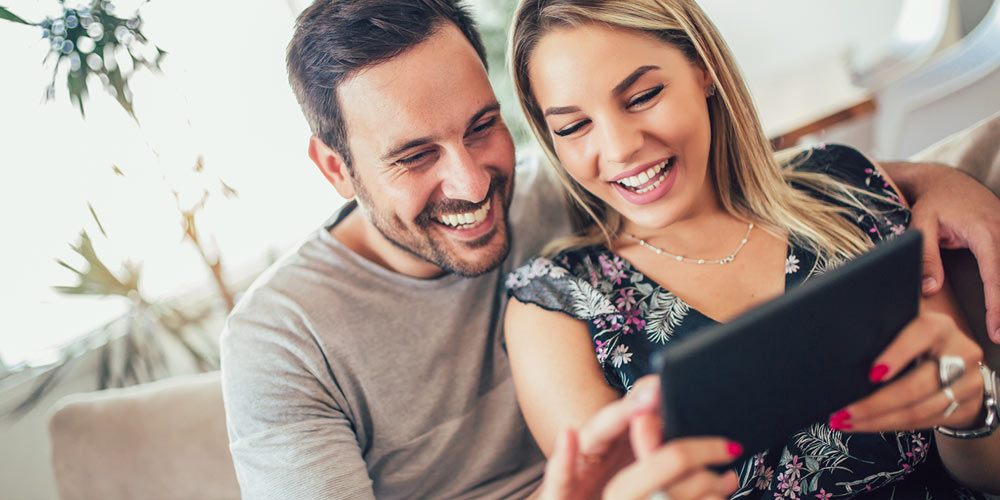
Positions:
{"x": 706, "y": 233}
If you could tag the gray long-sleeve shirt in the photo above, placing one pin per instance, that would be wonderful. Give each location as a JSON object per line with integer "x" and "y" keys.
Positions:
{"x": 342, "y": 379}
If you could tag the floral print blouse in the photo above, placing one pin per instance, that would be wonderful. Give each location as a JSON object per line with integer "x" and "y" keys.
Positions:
{"x": 631, "y": 317}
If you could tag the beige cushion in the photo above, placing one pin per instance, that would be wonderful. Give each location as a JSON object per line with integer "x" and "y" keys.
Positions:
{"x": 163, "y": 440}
{"x": 975, "y": 150}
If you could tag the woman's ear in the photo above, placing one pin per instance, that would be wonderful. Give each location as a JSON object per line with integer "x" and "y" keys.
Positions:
{"x": 331, "y": 163}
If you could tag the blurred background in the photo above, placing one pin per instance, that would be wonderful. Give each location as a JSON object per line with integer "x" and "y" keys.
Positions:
{"x": 156, "y": 162}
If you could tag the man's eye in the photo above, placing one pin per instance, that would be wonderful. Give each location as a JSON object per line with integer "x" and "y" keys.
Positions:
{"x": 563, "y": 132}
{"x": 412, "y": 159}
{"x": 484, "y": 126}
{"x": 646, "y": 96}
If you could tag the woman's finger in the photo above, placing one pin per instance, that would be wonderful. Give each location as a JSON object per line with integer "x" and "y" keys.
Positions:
{"x": 917, "y": 338}
{"x": 612, "y": 422}
{"x": 930, "y": 410}
{"x": 559, "y": 480}
{"x": 669, "y": 464}
{"x": 703, "y": 483}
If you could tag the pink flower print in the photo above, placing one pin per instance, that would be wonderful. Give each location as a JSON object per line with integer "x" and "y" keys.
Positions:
{"x": 789, "y": 486}
{"x": 625, "y": 300}
{"x": 611, "y": 322}
{"x": 920, "y": 448}
{"x": 601, "y": 350}
{"x": 794, "y": 467}
{"x": 897, "y": 229}
{"x": 612, "y": 268}
{"x": 633, "y": 321}
{"x": 823, "y": 495}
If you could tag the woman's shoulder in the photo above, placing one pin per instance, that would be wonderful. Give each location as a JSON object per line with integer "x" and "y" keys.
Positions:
{"x": 860, "y": 187}
{"x": 838, "y": 160}
{"x": 552, "y": 282}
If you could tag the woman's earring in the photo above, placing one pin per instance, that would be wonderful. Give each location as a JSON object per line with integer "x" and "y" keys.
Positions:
{"x": 710, "y": 90}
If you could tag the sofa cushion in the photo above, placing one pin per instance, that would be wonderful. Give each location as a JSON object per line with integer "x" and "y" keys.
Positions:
{"x": 162, "y": 440}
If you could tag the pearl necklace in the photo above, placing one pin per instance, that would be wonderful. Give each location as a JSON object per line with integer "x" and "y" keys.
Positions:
{"x": 681, "y": 258}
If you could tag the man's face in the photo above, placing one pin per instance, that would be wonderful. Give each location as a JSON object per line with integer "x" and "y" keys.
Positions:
{"x": 433, "y": 160}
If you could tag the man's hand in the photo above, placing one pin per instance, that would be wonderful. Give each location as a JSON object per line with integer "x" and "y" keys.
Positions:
{"x": 953, "y": 210}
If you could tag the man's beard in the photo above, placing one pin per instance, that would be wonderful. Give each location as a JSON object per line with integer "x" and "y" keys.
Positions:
{"x": 423, "y": 244}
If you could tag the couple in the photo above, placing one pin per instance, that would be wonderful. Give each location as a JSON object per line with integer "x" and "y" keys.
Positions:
{"x": 371, "y": 361}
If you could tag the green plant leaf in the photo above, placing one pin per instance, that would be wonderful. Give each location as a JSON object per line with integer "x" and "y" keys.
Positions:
{"x": 10, "y": 16}
{"x": 96, "y": 278}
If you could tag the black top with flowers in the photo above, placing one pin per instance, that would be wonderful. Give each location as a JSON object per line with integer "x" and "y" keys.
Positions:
{"x": 631, "y": 317}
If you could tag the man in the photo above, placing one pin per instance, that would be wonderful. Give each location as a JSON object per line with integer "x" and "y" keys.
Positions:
{"x": 369, "y": 361}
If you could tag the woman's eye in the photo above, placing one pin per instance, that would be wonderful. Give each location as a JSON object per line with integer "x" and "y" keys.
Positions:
{"x": 646, "y": 96}
{"x": 563, "y": 132}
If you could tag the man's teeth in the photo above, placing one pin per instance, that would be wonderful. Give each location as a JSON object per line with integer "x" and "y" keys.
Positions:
{"x": 466, "y": 220}
{"x": 644, "y": 177}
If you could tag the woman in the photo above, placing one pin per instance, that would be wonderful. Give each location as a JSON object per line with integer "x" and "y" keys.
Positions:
{"x": 685, "y": 219}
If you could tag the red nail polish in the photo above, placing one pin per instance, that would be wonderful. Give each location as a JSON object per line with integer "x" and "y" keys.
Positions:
{"x": 878, "y": 372}
{"x": 840, "y": 416}
{"x": 839, "y": 425}
{"x": 734, "y": 448}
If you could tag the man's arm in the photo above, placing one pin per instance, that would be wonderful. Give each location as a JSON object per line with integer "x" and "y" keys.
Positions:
{"x": 953, "y": 210}
{"x": 288, "y": 435}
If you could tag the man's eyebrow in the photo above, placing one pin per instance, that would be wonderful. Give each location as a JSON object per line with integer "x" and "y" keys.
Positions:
{"x": 617, "y": 91}
{"x": 630, "y": 79}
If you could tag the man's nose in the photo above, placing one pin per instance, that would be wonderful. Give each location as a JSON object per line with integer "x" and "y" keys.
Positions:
{"x": 464, "y": 178}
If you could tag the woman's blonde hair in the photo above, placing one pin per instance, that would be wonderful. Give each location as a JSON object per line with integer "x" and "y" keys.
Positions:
{"x": 750, "y": 183}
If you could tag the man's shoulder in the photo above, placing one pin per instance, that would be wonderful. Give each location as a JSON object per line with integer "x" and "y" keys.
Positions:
{"x": 538, "y": 212}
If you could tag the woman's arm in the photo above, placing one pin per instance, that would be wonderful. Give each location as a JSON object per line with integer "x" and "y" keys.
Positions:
{"x": 558, "y": 379}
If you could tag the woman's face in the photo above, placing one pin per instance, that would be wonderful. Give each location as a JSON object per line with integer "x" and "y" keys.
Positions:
{"x": 629, "y": 119}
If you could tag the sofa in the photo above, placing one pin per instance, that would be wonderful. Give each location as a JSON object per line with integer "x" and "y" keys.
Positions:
{"x": 167, "y": 439}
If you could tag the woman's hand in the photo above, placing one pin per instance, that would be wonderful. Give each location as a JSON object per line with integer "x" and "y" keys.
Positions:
{"x": 581, "y": 462}
{"x": 917, "y": 399}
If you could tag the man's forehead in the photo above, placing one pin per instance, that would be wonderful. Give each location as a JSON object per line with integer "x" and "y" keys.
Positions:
{"x": 431, "y": 89}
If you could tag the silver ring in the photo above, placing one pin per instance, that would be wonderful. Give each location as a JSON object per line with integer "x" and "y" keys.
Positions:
{"x": 948, "y": 393}
{"x": 659, "y": 495}
{"x": 950, "y": 369}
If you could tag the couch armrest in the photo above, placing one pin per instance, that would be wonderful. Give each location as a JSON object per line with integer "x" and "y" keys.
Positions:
{"x": 162, "y": 440}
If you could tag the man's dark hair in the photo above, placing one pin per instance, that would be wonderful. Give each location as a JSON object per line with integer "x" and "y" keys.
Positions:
{"x": 335, "y": 38}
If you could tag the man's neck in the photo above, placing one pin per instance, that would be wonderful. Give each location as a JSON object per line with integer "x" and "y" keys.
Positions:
{"x": 361, "y": 237}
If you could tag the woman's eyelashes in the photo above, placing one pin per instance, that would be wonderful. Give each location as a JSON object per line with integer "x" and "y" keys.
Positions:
{"x": 563, "y": 132}
{"x": 636, "y": 102}
{"x": 645, "y": 97}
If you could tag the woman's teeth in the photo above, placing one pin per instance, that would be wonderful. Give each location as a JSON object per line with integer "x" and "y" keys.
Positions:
{"x": 467, "y": 220}
{"x": 642, "y": 179}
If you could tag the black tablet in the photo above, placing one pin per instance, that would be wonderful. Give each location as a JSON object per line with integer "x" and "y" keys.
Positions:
{"x": 796, "y": 359}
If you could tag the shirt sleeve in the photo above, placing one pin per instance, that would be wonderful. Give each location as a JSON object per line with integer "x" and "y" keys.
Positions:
{"x": 290, "y": 437}
{"x": 550, "y": 285}
{"x": 881, "y": 214}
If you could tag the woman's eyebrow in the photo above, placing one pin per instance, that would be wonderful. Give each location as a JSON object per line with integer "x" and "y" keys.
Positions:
{"x": 617, "y": 91}
{"x": 630, "y": 79}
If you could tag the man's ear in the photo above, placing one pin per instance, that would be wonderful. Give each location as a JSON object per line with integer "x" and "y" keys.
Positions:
{"x": 332, "y": 164}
